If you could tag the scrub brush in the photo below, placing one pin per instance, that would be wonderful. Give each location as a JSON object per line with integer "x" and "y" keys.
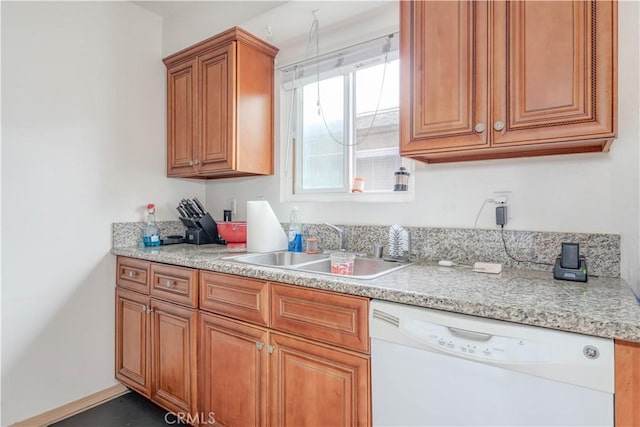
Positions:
{"x": 398, "y": 241}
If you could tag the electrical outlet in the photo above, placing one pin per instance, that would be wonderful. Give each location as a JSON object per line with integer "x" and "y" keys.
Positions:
{"x": 504, "y": 198}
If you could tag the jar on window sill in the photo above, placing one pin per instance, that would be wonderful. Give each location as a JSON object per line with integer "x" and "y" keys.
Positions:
{"x": 358, "y": 185}
{"x": 401, "y": 179}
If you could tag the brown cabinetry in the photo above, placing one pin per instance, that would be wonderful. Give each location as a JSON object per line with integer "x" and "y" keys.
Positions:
{"x": 132, "y": 340}
{"x": 133, "y": 274}
{"x": 156, "y": 338}
{"x": 313, "y": 385}
{"x": 220, "y": 107}
{"x": 237, "y": 297}
{"x": 233, "y": 371}
{"x": 627, "y": 384}
{"x": 319, "y": 315}
{"x": 286, "y": 363}
{"x": 483, "y": 80}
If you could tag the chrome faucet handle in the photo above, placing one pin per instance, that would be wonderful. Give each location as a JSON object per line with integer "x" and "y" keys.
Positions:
{"x": 342, "y": 235}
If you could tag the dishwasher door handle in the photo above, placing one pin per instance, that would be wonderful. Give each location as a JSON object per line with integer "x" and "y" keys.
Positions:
{"x": 471, "y": 335}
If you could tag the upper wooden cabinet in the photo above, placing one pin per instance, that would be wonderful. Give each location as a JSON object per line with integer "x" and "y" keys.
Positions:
{"x": 482, "y": 80}
{"x": 220, "y": 107}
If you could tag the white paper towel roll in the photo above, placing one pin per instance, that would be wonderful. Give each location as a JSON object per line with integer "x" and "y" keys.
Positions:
{"x": 264, "y": 232}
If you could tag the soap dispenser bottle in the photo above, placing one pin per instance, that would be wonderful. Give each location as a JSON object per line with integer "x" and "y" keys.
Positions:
{"x": 295, "y": 231}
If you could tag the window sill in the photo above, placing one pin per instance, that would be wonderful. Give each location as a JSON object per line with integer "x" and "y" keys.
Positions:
{"x": 377, "y": 197}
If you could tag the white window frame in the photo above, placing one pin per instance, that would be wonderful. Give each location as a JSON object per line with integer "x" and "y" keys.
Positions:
{"x": 290, "y": 182}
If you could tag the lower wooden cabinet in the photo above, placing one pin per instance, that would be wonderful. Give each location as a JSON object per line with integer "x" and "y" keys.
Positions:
{"x": 156, "y": 340}
{"x": 314, "y": 385}
{"x": 252, "y": 376}
{"x": 627, "y": 394}
{"x": 233, "y": 371}
{"x": 174, "y": 356}
{"x": 132, "y": 340}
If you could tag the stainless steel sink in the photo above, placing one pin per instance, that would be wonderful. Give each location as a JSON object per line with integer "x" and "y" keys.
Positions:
{"x": 280, "y": 259}
{"x": 363, "y": 268}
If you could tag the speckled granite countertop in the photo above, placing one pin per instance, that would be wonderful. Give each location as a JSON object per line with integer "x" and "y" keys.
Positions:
{"x": 604, "y": 307}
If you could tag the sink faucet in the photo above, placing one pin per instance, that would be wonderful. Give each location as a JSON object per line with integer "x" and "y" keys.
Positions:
{"x": 342, "y": 235}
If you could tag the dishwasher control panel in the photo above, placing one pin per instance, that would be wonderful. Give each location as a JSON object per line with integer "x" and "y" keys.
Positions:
{"x": 578, "y": 359}
{"x": 473, "y": 344}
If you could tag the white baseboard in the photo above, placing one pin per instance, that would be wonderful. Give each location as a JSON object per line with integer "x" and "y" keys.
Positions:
{"x": 73, "y": 408}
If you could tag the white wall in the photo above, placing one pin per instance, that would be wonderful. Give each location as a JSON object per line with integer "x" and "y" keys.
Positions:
{"x": 83, "y": 145}
{"x": 201, "y": 20}
{"x": 580, "y": 193}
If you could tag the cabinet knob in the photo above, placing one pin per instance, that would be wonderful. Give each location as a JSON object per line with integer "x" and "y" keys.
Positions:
{"x": 259, "y": 345}
{"x": 270, "y": 349}
{"x": 190, "y": 162}
{"x": 132, "y": 274}
{"x": 197, "y": 162}
{"x": 499, "y": 125}
{"x": 480, "y": 128}
{"x": 170, "y": 283}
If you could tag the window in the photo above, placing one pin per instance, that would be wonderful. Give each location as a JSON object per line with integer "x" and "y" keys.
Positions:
{"x": 344, "y": 122}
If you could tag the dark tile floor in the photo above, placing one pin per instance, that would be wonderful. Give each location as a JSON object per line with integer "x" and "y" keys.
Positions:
{"x": 128, "y": 410}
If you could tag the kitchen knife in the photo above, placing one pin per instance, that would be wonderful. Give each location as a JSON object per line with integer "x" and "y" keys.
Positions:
{"x": 182, "y": 212}
{"x": 199, "y": 205}
{"x": 193, "y": 209}
{"x": 194, "y": 213}
{"x": 187, "y": 209}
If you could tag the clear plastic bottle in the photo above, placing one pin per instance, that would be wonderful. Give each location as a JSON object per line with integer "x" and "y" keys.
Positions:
{"x": 150, "y": 235}
{"x": 295, "y": 231}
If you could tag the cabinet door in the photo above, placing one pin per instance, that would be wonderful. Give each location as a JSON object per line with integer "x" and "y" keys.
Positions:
{"x": 314, "y": 385}
{"x": 181, "y": 118}
{"x": 132, "y": 340}
{"x": 443, "y": 85}
{"x": 627, "y": 393}
{"x": 174, "y": 352}
{"x": 233, "y": 366}
{"x": 217, "y": 150}
{"x": 554, "y": 75}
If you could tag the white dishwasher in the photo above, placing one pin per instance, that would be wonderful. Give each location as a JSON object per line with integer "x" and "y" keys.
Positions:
{"x": 431, "y": 367}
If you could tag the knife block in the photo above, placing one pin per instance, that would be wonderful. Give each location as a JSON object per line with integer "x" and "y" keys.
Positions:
{"x": 202, "y": 231}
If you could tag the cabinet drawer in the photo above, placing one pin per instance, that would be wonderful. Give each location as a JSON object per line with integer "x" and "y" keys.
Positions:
{"x": 237, "y": 297}
{"x": 175, "y": 284}
{"x": 325, "y": 316}
{"x": 133, "y": 274}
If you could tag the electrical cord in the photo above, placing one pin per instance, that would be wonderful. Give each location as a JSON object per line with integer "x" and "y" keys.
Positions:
{"x": 475, "y": 223}
{"x": 504, "y": 242}
{"x": 314, "y": 36}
